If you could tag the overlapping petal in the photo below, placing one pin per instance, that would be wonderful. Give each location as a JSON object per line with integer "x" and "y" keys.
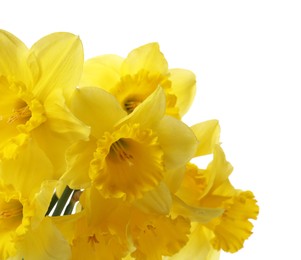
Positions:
{"x": 13, "y": 53}
{"x": 60, "y": 59}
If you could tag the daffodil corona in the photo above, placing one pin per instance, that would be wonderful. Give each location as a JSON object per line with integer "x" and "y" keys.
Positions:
{"x": 96, "y": 163}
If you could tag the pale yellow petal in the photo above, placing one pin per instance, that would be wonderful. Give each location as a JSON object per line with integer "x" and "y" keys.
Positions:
{"x": 198, "y": 246}
{"x": 158, "y": 200}
{"x": 44, "y": 242}
{"x": 102, "y": 71}
{"x": 60, "y": 57}
{"x": 60, "y": 119}
{"x": 78, "y": 157}
{"x": 220, "y": 167}
{"x": 184, "y": 87}
{"x": 173, "y": 178}
{"x": 177, "y": 141}
{"x": 96, "y": 108}
{"x": 13, "y": 57}
{"x": 207, "y": 133}
{"x": 198, "y": 214}
{"x": 147, "y": 57}
{"x": 25, "y": 175}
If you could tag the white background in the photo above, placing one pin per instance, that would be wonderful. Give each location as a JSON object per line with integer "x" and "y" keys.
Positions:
{"x": 247, "y": 58}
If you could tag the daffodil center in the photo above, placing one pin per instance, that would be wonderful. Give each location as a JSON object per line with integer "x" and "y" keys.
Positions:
{"x": 119, "y": 151}
{"x": 130, "y": 105}
{"x": 92, "y": 240}
{"x": 20, "y": 113}
{"x": 10, "y": 209}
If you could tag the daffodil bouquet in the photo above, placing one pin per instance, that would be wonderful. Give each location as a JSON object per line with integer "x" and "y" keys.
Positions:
{"x": 95, "y": 161}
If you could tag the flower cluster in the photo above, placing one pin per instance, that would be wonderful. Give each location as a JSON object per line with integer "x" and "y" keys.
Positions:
{"x": 95, "y": 161}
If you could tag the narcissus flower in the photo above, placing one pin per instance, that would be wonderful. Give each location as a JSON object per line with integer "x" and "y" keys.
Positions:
{"x": 99, "y": 231}
{"x": 133, "y": 79}
{"x": 25, "y": 192}
{"x": 212, "y": 188}
{"x": 127, "y": 155}
{"x": 33, "y": 85}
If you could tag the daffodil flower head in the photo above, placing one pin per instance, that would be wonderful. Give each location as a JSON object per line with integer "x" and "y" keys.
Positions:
{"x": 33, "y": 86}
{"x": 129, "y": 154}
{"x": 133, "y": 79}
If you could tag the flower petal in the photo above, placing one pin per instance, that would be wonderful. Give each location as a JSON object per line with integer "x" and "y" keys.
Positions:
{"x": 25, "y": 175}
{"x": 177, "y": 151}
{"x": 198, "y": 214}
{"x": 234, "y": 227}
{"x": 60, "y": 57}
{"x": 60, "y": 119}
{"x": 149, "y": 112}
{"x": 157, "y": 236}
{"x": 78, "y": 157}
{"x": 208, "y": 135}
{"x": 102, "y": 71}
{"x": 184, "y": 87}
{"x": 147, "y": 57}
{"x": 13, "y": 56}
{"x": 44, "y": 242}
{"x": 198, "y": 246}
{"x": 158, "y": 200}
{"x": 96, "y": 108}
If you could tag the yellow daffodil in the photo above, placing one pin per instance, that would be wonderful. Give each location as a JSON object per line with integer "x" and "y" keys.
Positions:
{"x": 25, "y": 192}
{"x": 127, "y": 155}
{"x": 99, "y": 231}
{"x": 33, "y": 85}
{"x": 134, "y": 78}
{"x": 212, "y": 188}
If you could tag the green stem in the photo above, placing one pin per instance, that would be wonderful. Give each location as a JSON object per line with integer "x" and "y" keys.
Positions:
{"x": 53, "y": 201}
{"x": 62, "y": 201}
{"x": 69, "y": 208}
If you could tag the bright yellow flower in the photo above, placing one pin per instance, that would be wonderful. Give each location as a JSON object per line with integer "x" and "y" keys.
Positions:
{"x": 127, "y": 155}
{"x": 25, "y": 193}
{"x": 113, "y": 229}
{"x": 134, "y": 78}
{"x": 211, "y": 188}
{"x": 33, "y": 85}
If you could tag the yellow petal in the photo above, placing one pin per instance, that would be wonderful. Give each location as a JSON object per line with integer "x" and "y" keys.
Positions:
{"x": 102, "y": 71}
{"x": 207, "y": 133}
{"x": 173, "y": 178}
{"x": 25, "y": 175}
{"x": 198, "y": 246}
{"x": 43, "y": 242}
{"x": 158, "y": 200}
{"x": 96, "y": 108}
{"x": 219, "y": 167}
{"x": 195, "y": 184}
{"x": 234, "y": 227}
{"x": 198, "y": 214}
{"x": 184, "y": 87}
{"x": 78, "y": 157}
{"x": 147, "y": 57}
{"x": 149, "y": 112}
{"x": 62, "y": 121}
{"x": 10, "y": 218}
{"x": 60, "y": 57}
{"x": 13, "y": 56}
{"x": 177, "y": 141}
{"x": 157, "y": 236}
